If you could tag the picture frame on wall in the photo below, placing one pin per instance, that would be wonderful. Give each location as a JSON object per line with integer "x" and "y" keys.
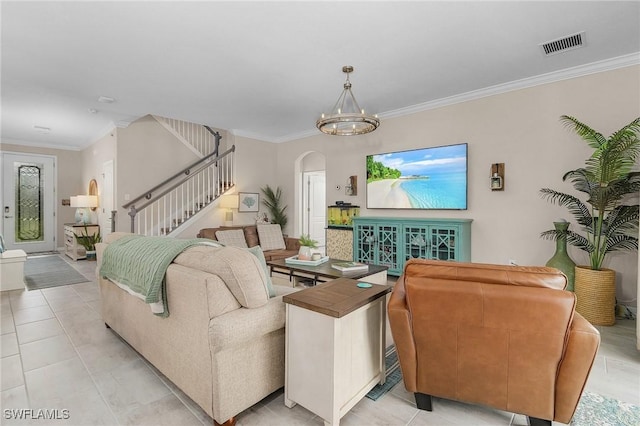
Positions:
{"x": 249, "y": 202}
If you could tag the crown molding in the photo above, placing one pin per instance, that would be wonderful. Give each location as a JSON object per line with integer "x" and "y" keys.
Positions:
{"x": 47, "y": 145}
{"x": 263, "y": 138}
{"x": 552, "y": 77}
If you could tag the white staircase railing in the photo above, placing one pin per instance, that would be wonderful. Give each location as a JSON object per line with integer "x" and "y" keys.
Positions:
{"x": 200, "y": 139}
{"x": 164, "y": 208}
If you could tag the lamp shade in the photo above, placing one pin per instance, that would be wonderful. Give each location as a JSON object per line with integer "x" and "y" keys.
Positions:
{"x": 229, "y": 201}
{"x": 83, "y": 201}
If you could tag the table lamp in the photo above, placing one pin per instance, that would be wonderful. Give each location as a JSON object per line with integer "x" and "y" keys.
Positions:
{"x": 229, "y": 202}
{"x": 83, "y": 203}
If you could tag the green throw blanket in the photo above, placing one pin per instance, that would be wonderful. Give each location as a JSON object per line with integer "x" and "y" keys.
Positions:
{"x": 141, "y": 263}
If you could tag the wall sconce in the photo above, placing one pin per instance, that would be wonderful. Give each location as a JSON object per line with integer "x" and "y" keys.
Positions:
{"x": 83, "y": 203}
{"x": 229, "y": 202}
{"x": 497, "y": 176}
{"x": 351, "y": 188}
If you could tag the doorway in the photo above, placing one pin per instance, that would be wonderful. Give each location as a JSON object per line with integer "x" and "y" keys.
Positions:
{"x": 105, "y": 218}
{"x": 314, "y": 206}
{"x": 28, "y": 206}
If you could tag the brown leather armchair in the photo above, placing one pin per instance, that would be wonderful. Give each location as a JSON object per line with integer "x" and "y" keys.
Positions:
{"x": 506, "y": 337}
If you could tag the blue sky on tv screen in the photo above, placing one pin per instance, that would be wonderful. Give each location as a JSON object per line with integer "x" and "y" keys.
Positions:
{"x": 427, "y": 161}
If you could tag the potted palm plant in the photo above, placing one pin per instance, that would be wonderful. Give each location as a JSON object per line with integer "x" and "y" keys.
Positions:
{"x": 89, "y": 241}
{"x": 608, "y": 221}
{"x": 273, "y": 202}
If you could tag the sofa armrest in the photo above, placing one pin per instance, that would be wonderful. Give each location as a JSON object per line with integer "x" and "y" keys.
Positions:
{"x": 245, "y": 325}
{"x": 292, "y": 243}
{"x": 580, "y": 352}
{"x": 400, "y": 324}
{"x": 209, "y": 233}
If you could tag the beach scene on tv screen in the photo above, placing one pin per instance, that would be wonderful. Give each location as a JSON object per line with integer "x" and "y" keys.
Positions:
{"x": 429, "y": 178}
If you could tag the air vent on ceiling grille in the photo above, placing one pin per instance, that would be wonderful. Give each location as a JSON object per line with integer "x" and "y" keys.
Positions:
{"x": 563, "y": 44}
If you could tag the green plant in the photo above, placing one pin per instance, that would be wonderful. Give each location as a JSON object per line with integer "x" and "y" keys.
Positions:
{"x": 272, "y": 200}
{"x": 88, "y": 241}
{"x": 305, "y": 240}
{"x": 607, "y": 220}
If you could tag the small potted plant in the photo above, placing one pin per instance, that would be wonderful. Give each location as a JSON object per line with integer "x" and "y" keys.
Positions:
{"x": 306, "y": 244}
{"x": 89, "y": 241}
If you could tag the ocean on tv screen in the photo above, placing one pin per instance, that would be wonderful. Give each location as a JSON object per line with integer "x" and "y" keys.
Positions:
{"x": 428, "y": 178}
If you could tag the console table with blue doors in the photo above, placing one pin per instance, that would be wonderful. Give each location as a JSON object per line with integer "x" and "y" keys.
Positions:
{"x": 392, "y": 241}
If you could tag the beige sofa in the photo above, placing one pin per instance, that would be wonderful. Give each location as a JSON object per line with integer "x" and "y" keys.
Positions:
{"x": 288, "y": 246}
{"x": 224, "y": 356}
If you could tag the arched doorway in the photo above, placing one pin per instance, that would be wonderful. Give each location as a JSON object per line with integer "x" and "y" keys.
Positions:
{"x": 311, "y": 193}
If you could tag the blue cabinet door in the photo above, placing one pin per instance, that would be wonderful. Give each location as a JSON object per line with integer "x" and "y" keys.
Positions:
{"x": 393, "y": 241}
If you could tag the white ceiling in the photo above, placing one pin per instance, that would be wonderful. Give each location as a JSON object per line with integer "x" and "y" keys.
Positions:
{"x": 268, "y": 69}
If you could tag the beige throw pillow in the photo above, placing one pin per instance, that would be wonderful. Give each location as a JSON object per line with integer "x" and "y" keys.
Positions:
{"x": 240, "y": 270}
{"x": 232, "y": 238}
{"x": 271, "y": 237}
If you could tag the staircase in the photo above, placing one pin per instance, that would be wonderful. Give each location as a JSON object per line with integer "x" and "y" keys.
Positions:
{"x": 198, "y": 138}
{"x": 161, "y": 210}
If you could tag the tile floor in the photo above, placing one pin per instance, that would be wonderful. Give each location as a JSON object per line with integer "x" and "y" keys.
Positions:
{"x": 57, "y": 354}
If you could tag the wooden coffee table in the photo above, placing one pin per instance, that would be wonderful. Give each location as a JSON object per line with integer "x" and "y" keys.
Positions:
{"x": 324, "y": 272}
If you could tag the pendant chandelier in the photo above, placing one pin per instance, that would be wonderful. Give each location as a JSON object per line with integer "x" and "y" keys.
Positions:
{"x": 346, "y": 117}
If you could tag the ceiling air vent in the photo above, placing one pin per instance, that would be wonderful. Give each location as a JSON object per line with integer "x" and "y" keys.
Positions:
{"x": 563, "y": 44}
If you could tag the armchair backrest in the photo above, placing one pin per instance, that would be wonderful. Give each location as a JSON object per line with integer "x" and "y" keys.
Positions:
{"x": 487, "y": 334}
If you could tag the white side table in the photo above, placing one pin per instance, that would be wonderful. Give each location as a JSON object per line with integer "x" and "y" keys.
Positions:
{"x": 335, "y": 345}
{"x": 12, "y": 269}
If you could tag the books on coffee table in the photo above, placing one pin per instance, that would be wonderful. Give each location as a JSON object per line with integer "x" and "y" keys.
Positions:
{"x": 350, "y": 266}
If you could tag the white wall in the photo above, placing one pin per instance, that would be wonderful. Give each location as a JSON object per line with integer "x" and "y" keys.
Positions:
{"x": 93, "y": 159}
{"x": 147, "y": 154}
{"x": 519, "y": 128}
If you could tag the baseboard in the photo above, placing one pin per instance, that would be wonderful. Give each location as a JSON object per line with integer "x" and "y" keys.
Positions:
{"x": 628, "y": 312}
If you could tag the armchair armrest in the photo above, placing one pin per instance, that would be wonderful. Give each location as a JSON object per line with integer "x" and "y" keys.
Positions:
{"x": 581, "y": 348}
{"x": 400, "y": 323}
{"x": 292, "y": 243}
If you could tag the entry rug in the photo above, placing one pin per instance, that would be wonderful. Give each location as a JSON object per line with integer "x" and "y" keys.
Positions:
{"x": 394, "y": 374}
{"x": 598, "y": 410}
{"x": 50, "y": 271}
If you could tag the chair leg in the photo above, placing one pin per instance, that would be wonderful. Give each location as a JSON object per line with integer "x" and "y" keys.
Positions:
{"x": 423, "y": 401}
{"x": 534, "y": 421}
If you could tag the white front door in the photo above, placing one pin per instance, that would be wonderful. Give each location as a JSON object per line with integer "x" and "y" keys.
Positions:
{"x": 28, "y": 206}
{"x": 314, "y": 206}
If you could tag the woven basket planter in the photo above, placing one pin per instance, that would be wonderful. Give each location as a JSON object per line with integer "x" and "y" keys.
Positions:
{"x": 596, "y": 294}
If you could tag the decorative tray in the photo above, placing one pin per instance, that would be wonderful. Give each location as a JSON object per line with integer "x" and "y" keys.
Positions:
{"x": 294, "y": 261}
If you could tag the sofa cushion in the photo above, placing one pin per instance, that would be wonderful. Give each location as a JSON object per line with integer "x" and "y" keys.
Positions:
{"x": 232, "y": 238}
{"x": 271, "y": 237}
{"x": 240, "y": 270}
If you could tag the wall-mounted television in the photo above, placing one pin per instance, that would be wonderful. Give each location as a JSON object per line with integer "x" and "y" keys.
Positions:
{"x": 426, "y": 178}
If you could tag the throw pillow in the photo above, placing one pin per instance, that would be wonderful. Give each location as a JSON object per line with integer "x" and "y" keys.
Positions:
{"x": 271, "y": 237}
{"x": 257, "y": 252}
{"x": 242, "y": 273}
{"x": 251, "y": 235}
{"x": 232, "y": 238}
